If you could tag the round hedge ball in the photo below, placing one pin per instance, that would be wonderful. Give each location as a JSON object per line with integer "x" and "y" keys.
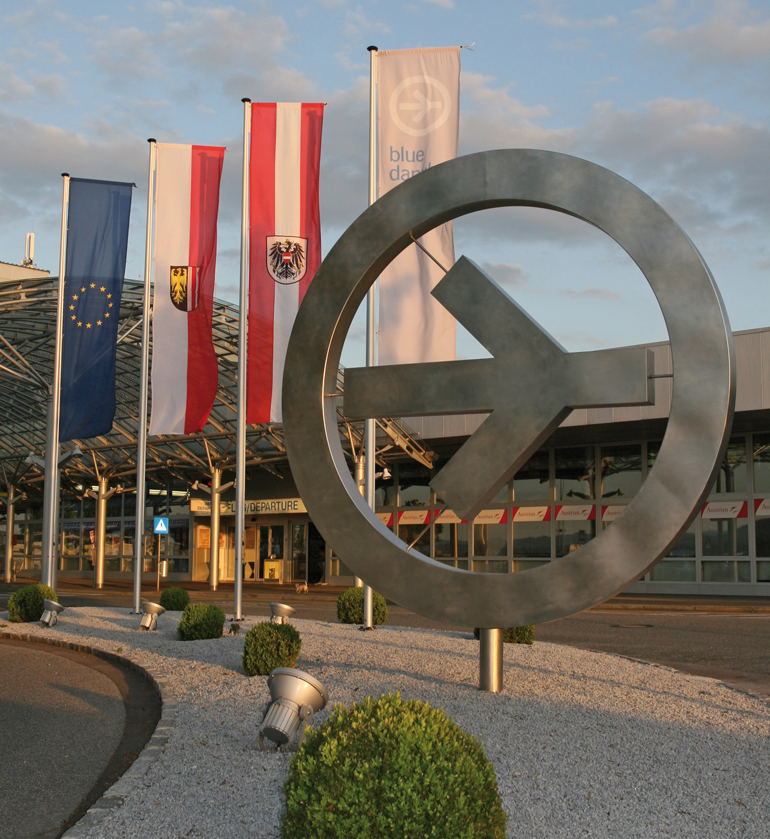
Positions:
{"x": 392, "y": 770}
{"x": 350, "y": 607}
{"x": 174, "y": 599}
{"x": 26, "y": 604}
{"x": 201, "y": 621}
{"x": 270, "y": 645}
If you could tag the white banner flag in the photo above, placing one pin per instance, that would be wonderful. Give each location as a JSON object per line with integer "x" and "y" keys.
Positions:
{"x": 419, "y": 104}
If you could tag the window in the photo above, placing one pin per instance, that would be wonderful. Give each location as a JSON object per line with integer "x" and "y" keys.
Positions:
{"x": 490, "y": 540}
{"x": 571, "y": 535}
{"x": 621, "y": 471}
{"x": 413, "y": 488}
{"x": 725, "y": 537}
{"x": 532, "y": 539}
{"x": 450, "y": 540}
{"x": 575, "y": 473}
{"x": 732, "y": 476}
{"x": 532, "y": 481}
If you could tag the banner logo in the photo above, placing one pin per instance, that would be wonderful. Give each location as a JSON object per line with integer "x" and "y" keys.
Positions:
{"x": 286, "y": 261}
{"x": 420, "y": 105}
{"x": 183, "y": 287}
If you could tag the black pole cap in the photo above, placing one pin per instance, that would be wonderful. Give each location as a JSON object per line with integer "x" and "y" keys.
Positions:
{"x": 372, "y": 49}
{"x": 246, "y": 99}
{"x": 65, "y": 174}
{"x": 151, "y": 140}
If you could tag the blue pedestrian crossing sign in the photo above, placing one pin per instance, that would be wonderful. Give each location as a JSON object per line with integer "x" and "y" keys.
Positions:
{"x": 161, "y": 525}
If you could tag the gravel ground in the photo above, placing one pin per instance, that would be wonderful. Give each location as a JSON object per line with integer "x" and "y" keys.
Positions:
{"x": 583, "y": 744}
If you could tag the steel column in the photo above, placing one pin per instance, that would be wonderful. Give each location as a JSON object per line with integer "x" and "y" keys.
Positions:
{"x": 360, "y": 483}
{"x": 216, "y": 478}
{"x": 491, "y": 660}
{"x": 101, "y": 527}
{"x": 11, "y": 504}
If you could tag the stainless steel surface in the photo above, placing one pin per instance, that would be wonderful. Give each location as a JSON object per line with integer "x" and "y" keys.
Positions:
{"x": 280, "y": 612}
{"x": 240, "y": 443}
{"x": 491, "y": 660}
{"x": 297, "y": 686}
{"x": 698, "y": 427}
{"x": 50, "y": 611}
{"x": 141, "y": 426}
{"x": 150, "y": 612}
{"x": 11, "y": 500}
{"x": 150, "y": 608}
{"x": 281, "y": 721}
{"x": 101, "y": 530}
{"x": 49, "y": 560}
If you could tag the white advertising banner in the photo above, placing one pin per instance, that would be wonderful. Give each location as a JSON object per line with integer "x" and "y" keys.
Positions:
{"x": 418, "y": 106}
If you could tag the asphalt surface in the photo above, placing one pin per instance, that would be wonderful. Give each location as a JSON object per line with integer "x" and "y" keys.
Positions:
{"x": 71, "y": 725}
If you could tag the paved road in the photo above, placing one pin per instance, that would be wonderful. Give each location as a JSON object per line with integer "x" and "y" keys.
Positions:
{"x": 71, "y": 725}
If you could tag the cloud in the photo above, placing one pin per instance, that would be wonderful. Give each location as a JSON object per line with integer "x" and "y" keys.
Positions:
{"x": 591, "y": 291}
{"x": 13, "y": 88}
{"x": 508, "y": 275}
{"x": 723, "y": 38}
{"x": 358, "y": 23}
{"x": 445, "y": 4}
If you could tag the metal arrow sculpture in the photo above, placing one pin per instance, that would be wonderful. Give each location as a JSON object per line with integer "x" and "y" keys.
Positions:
{"x": 529, "y": 386}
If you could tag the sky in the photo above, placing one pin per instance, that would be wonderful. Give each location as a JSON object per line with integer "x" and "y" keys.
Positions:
{"x": 674, "y": 96}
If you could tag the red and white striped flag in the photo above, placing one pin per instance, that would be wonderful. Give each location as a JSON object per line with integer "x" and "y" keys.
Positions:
{"x": 184, "y": 364}
{"x": 284, "y": 243}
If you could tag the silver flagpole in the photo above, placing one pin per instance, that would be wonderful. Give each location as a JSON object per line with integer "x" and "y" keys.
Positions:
{"x": 141, "y": 431}
{"x": 240, "y": 454}
{"x": 371, "y": 358}
{"x": 51, "y": 497}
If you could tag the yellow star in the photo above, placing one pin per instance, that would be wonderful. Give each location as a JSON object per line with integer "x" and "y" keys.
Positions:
{"x": 88, "y": 326}
{"x": 73, "y": 317}
{"x": 71, "y": 308}
{"x": 106, "y": 314}
{"x": 74, "y": 297}
{"x": 110, "y": 305}
{"x": 93, "y": 285}
{"x": 102, "y": 289}
{"x": 98, "y": 323}
{"x": 83, "y": 289}
{"x": 80, "y": 323}
{"x": 109, "y": 295}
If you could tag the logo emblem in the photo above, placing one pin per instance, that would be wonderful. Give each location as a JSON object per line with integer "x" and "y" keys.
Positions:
{"x": 183, "y": 287}
{"x": 286, "y": 262}
{"x": 420, "y": 105}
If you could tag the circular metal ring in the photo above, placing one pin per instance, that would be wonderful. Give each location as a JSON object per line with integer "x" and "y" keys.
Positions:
{"x": 701, "y": 407}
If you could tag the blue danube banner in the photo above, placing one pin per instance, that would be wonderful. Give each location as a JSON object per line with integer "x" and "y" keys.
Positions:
{"x": 97, "y": 239}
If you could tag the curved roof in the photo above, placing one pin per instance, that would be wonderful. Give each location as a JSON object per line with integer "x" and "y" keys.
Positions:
{"x": 27, "y": 325}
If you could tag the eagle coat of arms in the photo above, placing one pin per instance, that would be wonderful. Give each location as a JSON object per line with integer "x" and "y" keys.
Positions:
{"x": 183, "y": 287}
{"x": 286, "y": 262}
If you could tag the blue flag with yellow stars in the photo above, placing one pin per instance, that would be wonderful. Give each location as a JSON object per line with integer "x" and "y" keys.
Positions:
{"x": 97, "y": 239}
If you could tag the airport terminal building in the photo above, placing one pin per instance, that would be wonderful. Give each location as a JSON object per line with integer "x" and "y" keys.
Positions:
{"x": 573, "y": 487}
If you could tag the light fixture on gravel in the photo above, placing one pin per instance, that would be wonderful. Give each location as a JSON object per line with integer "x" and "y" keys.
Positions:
{"x": 294, "y": 697}
{"x": 49, "y": 616}
{"x": 280, "y": 612}
{"x": 150, "y": 612}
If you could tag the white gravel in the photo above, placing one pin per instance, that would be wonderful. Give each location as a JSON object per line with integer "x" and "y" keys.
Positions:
{"x": 584, "y": 744}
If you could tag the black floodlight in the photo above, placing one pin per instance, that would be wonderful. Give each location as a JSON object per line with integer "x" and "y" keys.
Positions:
{"x": 280, "y": 612}
{"x": 150, "y": 612}
{"x": 294, "y": 697}
{"x": 49, "y": 616}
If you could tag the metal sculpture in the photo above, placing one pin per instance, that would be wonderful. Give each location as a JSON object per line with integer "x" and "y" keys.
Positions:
{"x": 524, "y": 411}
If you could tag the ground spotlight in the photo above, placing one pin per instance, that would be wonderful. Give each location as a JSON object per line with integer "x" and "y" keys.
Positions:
{"x": 49, "y": 616}
{"x": 150, "y": 612}
{"x": 294, "y": 697}
{"x": 280, "y": 612}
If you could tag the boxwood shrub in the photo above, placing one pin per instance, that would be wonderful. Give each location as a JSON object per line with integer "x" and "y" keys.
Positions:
{"x": 26, "y": 604}
{"x": 350, "y": 607}
{"x": 515, "y": 635}
{"x": 392, "y": 770}
{"x": 174, "y": 599}
{"x": 200, "y": 621}
{"x": 270, "y": 645}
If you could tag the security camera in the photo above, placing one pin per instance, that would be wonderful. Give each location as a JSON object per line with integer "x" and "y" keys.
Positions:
{"x": 150, "y": 612}
{"x": 49, "y": 616}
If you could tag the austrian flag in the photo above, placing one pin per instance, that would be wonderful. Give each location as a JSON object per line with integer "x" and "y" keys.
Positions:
{"x": 184, "y": 364}
{"x": 284, "y": 241}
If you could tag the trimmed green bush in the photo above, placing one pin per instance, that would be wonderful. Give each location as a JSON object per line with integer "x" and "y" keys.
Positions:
{"x": 174, "y": 599}
{"x": 270, "y": 645}
{"x": 200, "y": 621}
{"x": 515, "y": 635}
{"x": 26, "y": 604}
{"x": 392, "y": 770}
{"x": 350, "y": 607}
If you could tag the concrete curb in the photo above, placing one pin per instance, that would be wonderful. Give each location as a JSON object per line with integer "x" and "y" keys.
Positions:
{"x": 115, "y": 795}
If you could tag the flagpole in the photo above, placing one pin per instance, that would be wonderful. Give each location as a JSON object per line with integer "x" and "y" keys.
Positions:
{"x": 371, "y": 358}
{"x": 141, "y": 430}
{"x": 240, "y": 445}
{"x": 51, "y": 498}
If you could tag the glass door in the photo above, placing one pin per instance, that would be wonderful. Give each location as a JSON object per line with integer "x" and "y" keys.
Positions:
{"x": 270, "y": 537}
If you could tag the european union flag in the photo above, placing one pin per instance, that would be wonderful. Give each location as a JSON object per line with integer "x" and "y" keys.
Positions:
{"x": 97, "y": 240}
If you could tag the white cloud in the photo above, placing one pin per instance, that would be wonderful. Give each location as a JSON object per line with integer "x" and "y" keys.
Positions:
{"x": 12, "y": 87}
{"x": 445, "y": 4}
{"x": 593, "y": 292}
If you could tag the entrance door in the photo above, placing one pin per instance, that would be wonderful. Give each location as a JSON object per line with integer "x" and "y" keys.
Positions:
{"x": 308, "y": 551}
{"x": 270, "y": 537}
